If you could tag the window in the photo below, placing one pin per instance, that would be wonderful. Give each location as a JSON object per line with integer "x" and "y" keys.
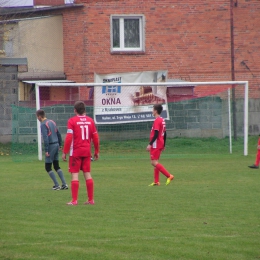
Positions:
{"x": 127, "y": 33}
{"x": 111, "y": 89}
{"x": 26, "y": 92}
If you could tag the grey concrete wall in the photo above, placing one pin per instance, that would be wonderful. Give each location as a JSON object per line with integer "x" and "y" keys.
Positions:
{"x": 8, "y": 97}
{"x": 254, "y": 116}
{"x": 25, "y": 122}
{"x": 204, "y": 117}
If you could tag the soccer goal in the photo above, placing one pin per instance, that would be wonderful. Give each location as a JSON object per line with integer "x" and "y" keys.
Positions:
{"x": 123, "y": 111}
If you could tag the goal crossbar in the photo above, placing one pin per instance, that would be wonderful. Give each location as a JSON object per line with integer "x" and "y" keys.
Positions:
{"x": 48, "y": 84}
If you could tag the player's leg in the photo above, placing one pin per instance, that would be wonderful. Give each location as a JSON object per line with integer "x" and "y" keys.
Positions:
{"x": 89, "y": 181}
{"x": 56, "y": 166}
{"x": 161, "y": 168}
{"x": 257, "y": 160}
{"x": 155, "y": 156}
{"x": 74, "y": 167}
{"x": 156, "y": 172}
{"x": 61, "y": 175}
{"x": 48, "y": 164}
{"x": 156, "y": 175}
{"x": 49, "y": 161}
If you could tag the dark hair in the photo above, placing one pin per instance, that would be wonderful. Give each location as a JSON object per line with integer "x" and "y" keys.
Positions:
{"x": 40, "y": 113}
{"x": 80, "y": 107}
{"x": 158, "y": 108}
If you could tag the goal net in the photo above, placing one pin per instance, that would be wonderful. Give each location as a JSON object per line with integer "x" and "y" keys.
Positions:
{"x": 123, "y": 111}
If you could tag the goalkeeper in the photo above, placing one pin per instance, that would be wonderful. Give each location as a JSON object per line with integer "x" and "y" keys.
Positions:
{"x": 52, "y": 144}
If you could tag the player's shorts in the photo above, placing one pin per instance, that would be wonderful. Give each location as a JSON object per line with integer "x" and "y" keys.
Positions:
{"x": 155, "y": 153}
{"x": 53, "y": 152}
{"x": 77, "y": 164}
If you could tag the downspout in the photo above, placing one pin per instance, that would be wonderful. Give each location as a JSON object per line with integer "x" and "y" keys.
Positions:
{"x": 233, "y": 68}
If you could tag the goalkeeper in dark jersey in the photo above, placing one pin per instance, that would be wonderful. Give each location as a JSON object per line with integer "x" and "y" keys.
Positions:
{"x": 52, "y": 144}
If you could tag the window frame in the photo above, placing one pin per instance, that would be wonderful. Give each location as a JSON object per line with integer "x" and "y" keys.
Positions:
{"x": 121, "y": 29}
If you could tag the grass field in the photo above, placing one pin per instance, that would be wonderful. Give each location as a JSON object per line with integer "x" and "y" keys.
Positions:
{"x": 210, "y": 211}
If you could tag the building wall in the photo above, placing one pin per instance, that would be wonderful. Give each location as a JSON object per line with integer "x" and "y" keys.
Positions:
{"x": 247, "y": 44}
{"x": 190, "y": 39}
{"x": 40, "y": 40}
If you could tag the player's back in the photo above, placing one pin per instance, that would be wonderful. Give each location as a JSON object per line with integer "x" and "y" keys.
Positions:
{"x": 82, "y": 127}
{"x": 50, "y": 128}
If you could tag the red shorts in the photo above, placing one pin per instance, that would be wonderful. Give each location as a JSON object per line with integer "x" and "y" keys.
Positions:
{"x": 155, "y": 153}
{"x": 79, "y": 163}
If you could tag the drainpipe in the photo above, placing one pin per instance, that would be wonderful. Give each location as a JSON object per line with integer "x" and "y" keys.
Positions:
{"x": 233, "y": 69}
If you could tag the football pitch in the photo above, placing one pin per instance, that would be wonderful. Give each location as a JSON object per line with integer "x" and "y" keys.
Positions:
{"x": 209, "y": 211}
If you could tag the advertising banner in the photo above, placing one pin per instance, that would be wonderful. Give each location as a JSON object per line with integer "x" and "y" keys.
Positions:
{"x": 128, "y": 104}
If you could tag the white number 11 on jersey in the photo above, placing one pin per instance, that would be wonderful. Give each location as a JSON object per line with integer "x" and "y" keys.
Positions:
{"x": 84, "y": 132}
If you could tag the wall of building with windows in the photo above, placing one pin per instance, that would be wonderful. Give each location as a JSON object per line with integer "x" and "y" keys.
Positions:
{"x": 189, "y": 39}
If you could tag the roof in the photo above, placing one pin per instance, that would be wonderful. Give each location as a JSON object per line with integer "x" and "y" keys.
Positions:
{"x": 35, "y": 9}
{"x": 40, "y": 75}
{"x": 13, "y": 61}
{"x": 179, "y": 81}
{"x": 47, "y": 81}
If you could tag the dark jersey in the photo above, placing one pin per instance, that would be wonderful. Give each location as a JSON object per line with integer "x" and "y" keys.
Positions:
{"x": 50, "y": 134}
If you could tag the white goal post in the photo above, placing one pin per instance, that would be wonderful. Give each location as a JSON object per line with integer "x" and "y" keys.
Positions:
{"x": 244, "y": 83}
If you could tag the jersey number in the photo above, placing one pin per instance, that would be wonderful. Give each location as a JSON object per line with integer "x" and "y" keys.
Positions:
{"x": 84, "y": 132}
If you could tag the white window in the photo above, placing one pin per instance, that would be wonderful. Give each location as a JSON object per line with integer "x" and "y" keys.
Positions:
{"x": 127, "y": 33}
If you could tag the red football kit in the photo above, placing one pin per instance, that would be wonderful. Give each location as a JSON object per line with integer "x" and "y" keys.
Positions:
{"x": 81, "y": 130}
{"x": 257, "y": 160}
{"x": 158, "y": 144}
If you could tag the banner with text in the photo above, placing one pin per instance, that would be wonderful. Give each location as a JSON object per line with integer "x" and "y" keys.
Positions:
{"x": 128, "y": 104}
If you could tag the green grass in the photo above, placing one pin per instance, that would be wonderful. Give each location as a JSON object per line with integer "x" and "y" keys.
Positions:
{"x": 210, "y": 211}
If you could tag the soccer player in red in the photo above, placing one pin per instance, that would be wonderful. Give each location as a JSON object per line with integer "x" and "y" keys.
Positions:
{"x": 157, "y": 145}
{"x": 81, "y": 131}
{"x": 257, "y": 159}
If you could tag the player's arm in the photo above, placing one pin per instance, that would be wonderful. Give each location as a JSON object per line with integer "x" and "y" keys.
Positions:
{"x": 155, "y": 136}
{"x": 59, "y": 138}
{"x": 67, "y": 143}
{"x": 45, "y": 138}
{"x": 95, "y": 139}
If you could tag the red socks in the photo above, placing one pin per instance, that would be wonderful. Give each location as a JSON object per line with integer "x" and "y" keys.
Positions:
{"x": 160, "y": 168}
{"x": 90, "y": 189}
{"x": 156, "y": 175}
{"x": 74, "y": 190}
{"x": 257, "y": 158}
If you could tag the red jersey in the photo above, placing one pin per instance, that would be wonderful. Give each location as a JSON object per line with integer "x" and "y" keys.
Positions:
{"x": 82, "y": 129}
{"x": 158, "y": 124}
